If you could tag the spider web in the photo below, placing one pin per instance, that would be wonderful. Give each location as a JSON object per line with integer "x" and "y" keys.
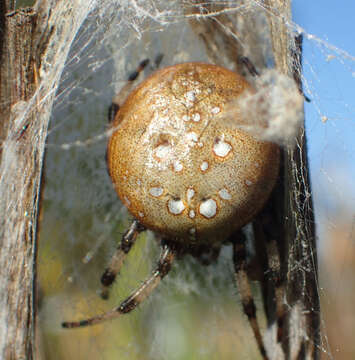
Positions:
{"x": 195, "y": 312}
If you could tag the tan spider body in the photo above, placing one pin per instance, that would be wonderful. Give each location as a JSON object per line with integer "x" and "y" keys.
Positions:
{"x": 185, "y": 174}
{"x": 176, "y": 165}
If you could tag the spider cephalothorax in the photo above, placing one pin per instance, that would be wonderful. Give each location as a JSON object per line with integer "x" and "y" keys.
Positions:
{"x": 184, "y": 173}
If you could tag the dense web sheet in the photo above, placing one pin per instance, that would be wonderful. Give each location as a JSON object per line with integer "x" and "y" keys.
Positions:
{"x": 196, "y": 312}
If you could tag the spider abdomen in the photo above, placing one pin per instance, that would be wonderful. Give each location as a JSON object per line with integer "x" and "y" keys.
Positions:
{"x": 176, "y": 164}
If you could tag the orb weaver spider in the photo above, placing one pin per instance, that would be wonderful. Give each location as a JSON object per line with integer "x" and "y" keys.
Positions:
{"x": 186, "y": 176}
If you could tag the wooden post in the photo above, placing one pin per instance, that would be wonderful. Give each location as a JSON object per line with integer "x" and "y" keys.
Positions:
{"x": 30, "y": 43}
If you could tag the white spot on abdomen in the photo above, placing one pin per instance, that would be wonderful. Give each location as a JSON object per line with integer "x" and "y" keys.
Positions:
{"x": 196, "y": 117}
{"x": 216, "y": 110}
{"x": 178, "y": 166}
{"x": 208, "y": 208}
{"x": 224, "y": 194}
{"x": 176, "y": 206}
{"x": 156, "y": 191}
{"x": 191, "y": 214}
{"x": 162, "y": 151}
{"x": 190, "y": 194}
{"x": 221, "y": 148}
{"x": 192, "y": 137}
{"x": 248, "y": 182}
{"x": 190, "y": 97}
{"x": 204, "y": 166}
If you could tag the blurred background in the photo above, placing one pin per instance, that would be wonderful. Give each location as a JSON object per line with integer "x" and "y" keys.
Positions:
{"x": 195, "y": 313}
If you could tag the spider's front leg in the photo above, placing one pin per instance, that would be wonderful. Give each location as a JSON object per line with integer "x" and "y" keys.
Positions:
{"x": 166, "y": 259}
{"x": 126, "y": 89}
{"x": 119, "y": 99}
{"x": 130, "y": 236}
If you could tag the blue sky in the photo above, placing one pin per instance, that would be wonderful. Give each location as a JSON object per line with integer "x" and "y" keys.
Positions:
{"x": 331, "y": 77}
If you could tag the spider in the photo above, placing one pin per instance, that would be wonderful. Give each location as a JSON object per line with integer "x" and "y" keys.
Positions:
{"x": 185, "y": 175}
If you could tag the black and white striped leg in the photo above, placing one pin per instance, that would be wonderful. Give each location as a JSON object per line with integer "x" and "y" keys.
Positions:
{"x": 164, "y": 265}
{"x": 128, "y": 240}
{"x": 243, "y": 284}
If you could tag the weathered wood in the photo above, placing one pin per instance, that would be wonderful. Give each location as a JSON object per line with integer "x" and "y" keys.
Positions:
{"x": 20, "y": 173}
{"x": 301, "y": 266}
{"x": 31, "y": 39}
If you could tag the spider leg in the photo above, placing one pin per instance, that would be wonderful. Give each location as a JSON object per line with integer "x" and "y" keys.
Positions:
{"x": 243, "y": 283}
{"x": 278, "y": 285}
{"x": 249, "y": 65}
{"x": 164, "y": 265}
{"x": 157, "y": 61}
{"x": 128, "y": 240}
{"x": 126, "y": 89}
{"x": 268, "y": 240}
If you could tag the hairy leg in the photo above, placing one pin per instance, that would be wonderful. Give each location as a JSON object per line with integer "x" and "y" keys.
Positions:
{"x": 164, "y": 265}
{"x": 243, "y": 284}
{"x": 128, "y": 240}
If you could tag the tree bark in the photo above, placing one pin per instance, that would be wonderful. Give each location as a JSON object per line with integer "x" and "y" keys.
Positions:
{"x": 20, "y": 174}
{"x": 300, "y": 262}
{"x": 34, "y": 42}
